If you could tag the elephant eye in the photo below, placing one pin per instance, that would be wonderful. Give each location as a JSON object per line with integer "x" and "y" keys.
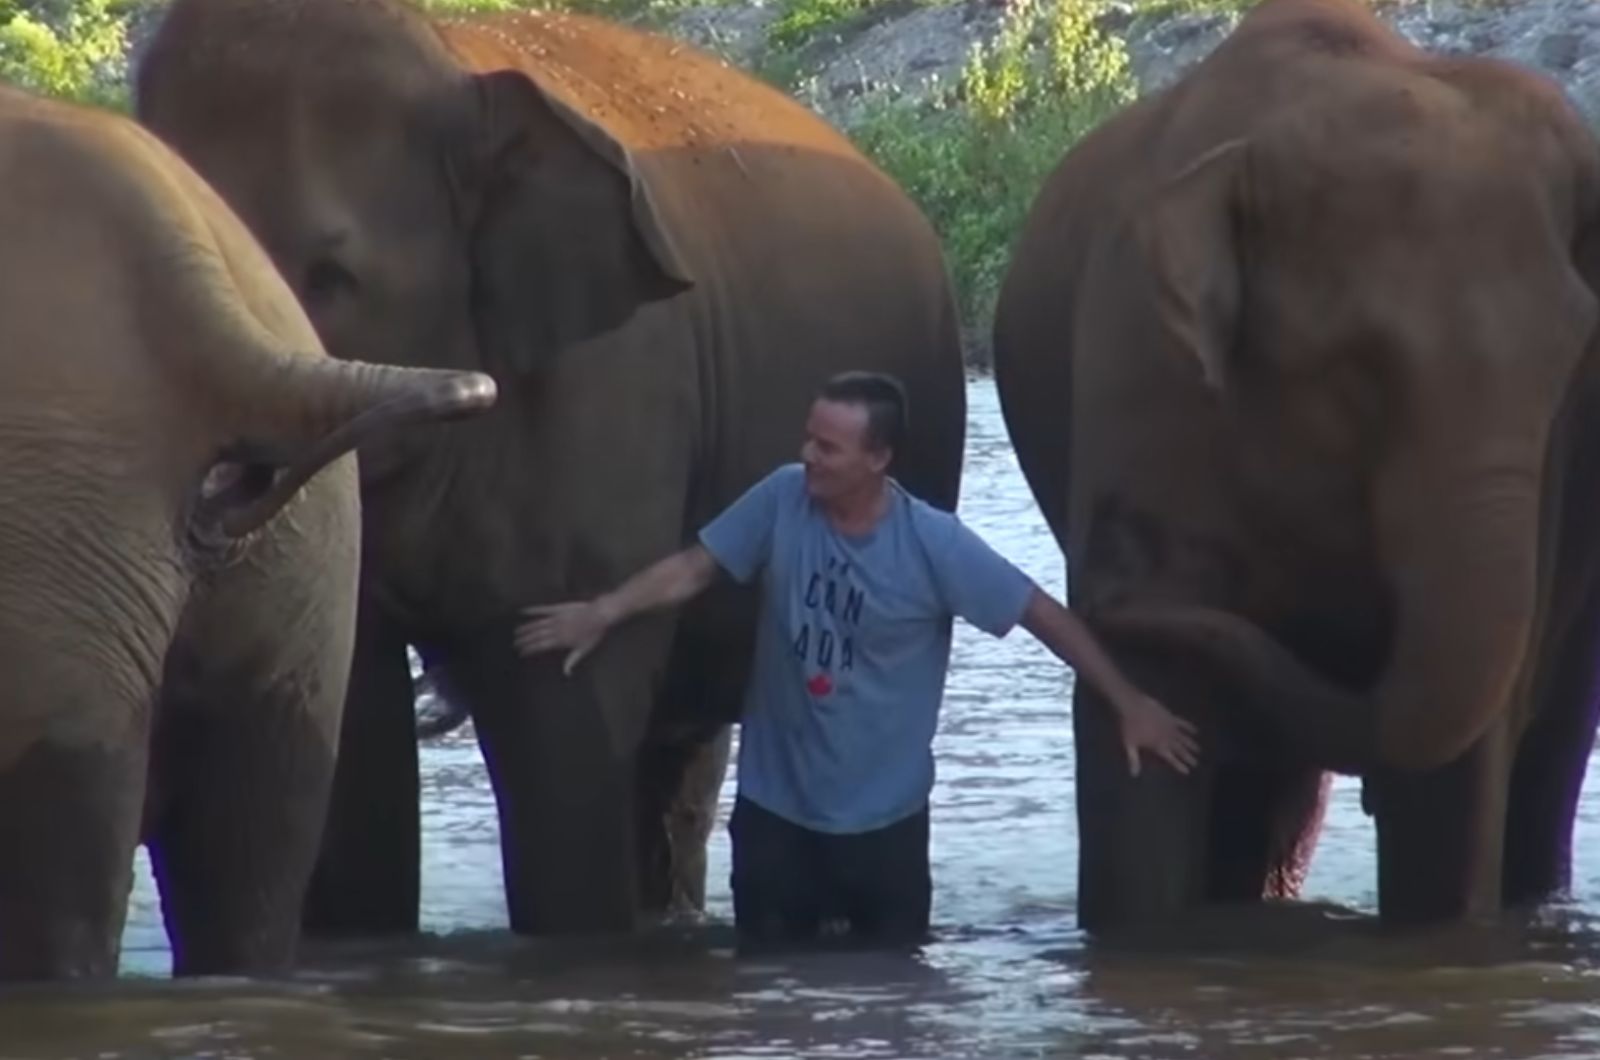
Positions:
{"x": 326, "y": 279}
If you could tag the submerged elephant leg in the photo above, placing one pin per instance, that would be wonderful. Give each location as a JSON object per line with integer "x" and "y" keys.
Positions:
{"x": 680, "y": 778}
{"x": 237, "y": 833}
{"x": 563, "y": 779}
{"x": 369, "y": 872}
{"x": 1551, "y": 763}
{"x": 69, "y": 825}
{"x": 1441, "y": 835}
{"x": 1142, "y": 840}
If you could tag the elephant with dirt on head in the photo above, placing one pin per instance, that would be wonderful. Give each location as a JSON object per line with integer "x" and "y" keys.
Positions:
{"x": 181, "y": 535}
{"x": 659, "y": 259}
{"x": 1298, "y": 356}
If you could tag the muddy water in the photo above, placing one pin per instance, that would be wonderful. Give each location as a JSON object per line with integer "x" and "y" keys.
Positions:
{"x": 1007, "y": 975}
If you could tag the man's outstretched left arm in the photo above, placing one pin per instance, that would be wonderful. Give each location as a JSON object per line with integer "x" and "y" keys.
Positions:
{"x": 1145, "y": 723}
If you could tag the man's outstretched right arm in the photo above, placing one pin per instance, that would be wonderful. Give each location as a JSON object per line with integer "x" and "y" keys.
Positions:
{"x": 580, "y": 626}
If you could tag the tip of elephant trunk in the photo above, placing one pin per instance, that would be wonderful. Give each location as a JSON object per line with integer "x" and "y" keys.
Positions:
{"x": 458, "y": 395}
{"x": 240, "y": 494}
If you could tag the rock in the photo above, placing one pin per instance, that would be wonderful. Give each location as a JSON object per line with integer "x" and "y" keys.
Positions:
{"x": 1159, "y": 54}
{"x": 918, "y": 54}
{"x": 1558, "y": 51}
{"x": 737, "y": 32}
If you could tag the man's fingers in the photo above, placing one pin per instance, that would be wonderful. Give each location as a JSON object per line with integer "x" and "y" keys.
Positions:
{"x": 1133, "y": 758}
{"x": 1175, "y": 759}
{"x": 541, "y": 639}
{"x": 575, "y": 656}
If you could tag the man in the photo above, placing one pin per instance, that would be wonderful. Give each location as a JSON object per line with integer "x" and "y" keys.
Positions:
{"x": 859, "y": 584}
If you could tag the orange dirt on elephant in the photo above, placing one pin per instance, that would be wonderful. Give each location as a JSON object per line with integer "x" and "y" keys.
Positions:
{"x": 659, "y": 259}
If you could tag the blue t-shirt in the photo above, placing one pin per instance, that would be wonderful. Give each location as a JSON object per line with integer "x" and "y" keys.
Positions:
{"x": 852, "y": 649}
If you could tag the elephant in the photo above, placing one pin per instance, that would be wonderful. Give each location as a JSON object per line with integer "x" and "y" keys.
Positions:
{"x": 659, "y": 260}
{"x": 1298, "y": 358}
{"x": 179, "y": 576}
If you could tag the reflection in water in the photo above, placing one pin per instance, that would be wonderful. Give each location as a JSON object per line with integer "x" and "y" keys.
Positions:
{"x": 1008, "y": 975}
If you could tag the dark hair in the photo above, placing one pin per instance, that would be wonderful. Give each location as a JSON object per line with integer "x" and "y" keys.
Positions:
{"x": 884, "y": 398}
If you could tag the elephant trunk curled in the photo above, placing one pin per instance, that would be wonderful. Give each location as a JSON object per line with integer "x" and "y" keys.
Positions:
{"x": 297, "y": 409}
{"x": 1459, "y": 546}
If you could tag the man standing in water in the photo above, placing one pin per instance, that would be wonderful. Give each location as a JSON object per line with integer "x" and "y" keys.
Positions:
{"x": 860, "y": 581}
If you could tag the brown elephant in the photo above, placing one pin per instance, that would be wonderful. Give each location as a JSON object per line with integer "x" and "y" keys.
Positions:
{"x": 1298, "y": 358}
{"x": 181, "y": 538}
{"x": 659, "y": 259}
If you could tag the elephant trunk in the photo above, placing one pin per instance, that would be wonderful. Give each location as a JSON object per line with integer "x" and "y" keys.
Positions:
{"x": 290, "y": 409}
{"x": 336, "y": 406}
{"x": 1460, "y": 548}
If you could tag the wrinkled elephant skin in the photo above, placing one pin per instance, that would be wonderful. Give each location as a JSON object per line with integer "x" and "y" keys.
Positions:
{"x": 1298, "y": 358}
{"x": 179, "y": 542}
{"x": 658, "y": 259}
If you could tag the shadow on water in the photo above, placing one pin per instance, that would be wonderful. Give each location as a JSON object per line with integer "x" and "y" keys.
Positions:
{"x": 1006, "y": 975}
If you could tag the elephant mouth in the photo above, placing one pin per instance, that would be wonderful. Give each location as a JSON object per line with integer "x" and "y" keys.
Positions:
{"x": 249, "y": 482}
{"x": 235, "y": 482}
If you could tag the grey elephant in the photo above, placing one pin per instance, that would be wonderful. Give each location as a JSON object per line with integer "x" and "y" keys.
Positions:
{"x": 659, "y": 259}
{"x": 179, "y": 544}
{"x": 1300, "y": 359}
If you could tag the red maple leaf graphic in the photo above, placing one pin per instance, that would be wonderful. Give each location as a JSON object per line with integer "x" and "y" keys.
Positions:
{"x": 820, "y": 685}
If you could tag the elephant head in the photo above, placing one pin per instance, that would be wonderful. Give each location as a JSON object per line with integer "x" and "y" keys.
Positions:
{"x": 1383, "y": 296}
{"x": 422, "y": 213}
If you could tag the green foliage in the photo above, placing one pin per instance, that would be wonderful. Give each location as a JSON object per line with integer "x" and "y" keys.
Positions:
{"x": 69, "y": 48}
{"x": 804, "y": 20}
{"x": 974, "y": 160}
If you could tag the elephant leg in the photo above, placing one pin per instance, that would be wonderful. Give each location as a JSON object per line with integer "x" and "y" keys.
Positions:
{"x": 1264, "y": 825}
{"x": 562, "y": 754}
{"x": 1441, "y": 835}
{"x": 1551, "y": 763}
{"x": 1143, "y": 840}
{"x": 236, "y": 837}
{"x": 680, "y": 778}
{"x": 69, "y": 826}
{"x": 368, "y": 878}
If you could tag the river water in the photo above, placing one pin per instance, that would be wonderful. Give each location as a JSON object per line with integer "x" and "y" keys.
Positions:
{"x": 1007, "y": 975}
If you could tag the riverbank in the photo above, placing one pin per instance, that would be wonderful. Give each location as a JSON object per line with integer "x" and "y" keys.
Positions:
{"x": 968, "y": 104}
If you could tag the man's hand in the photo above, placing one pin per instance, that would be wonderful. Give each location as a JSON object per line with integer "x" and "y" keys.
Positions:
{"x": 1149, "y": 726}
{"x": 579, "y": 626}
{"x": 575, "y": 626}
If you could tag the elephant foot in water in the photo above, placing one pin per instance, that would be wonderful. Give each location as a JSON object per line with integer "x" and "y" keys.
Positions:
{"x": 1160, "y": 846}
{"x": 68, "y": 829}
{"x": 369, "y": 874}
{"x": 680, "y": 778}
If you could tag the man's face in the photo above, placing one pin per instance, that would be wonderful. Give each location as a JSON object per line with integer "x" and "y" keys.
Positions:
{"x": 838, "y": 459}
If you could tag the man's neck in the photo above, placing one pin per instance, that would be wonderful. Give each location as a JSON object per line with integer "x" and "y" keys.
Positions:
{"x": 858, "y": 513}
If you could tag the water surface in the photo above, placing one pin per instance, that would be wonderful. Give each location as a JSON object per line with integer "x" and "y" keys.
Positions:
{"x": 1007, "y": 976}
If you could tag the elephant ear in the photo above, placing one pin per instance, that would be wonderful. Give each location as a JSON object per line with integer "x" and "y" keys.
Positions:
{"x": 566, "y": 242}
{"x": 1189, "y": 234}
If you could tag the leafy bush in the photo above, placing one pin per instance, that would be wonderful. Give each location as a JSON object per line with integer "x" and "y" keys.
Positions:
{"x": 69, "y": 48}
{"x": 974, "y": 159}
{"x": 803, "y": 20}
